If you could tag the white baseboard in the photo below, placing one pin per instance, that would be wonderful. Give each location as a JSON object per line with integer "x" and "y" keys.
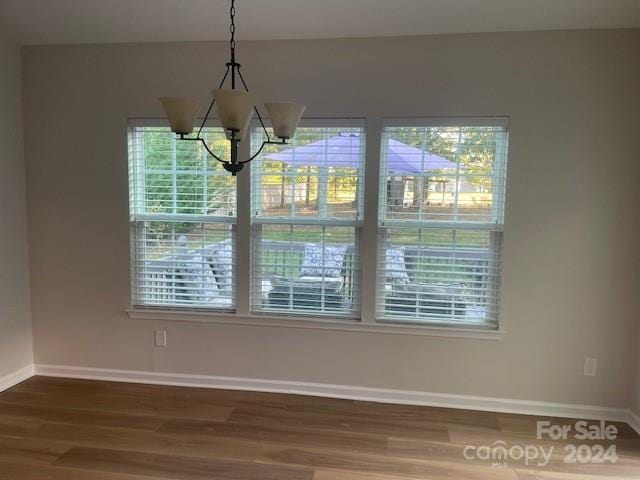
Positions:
{"x": 382, "y": 395}
{"x": 633, "y": 420}
{"x": 16, "y": 377}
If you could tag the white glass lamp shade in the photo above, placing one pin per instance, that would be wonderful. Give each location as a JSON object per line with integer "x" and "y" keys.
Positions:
{"x": 284, "y": 117}
{"x": 234, "y": 108}
{"x": 181, "y": 113}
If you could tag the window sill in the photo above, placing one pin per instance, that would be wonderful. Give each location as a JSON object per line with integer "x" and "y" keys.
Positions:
{"x": 320, "y": 323}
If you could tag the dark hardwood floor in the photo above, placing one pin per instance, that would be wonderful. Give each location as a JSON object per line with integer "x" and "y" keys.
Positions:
{"x": 63, "y": 429}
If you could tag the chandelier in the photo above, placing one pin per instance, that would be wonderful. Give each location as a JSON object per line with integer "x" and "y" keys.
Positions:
{"x": 235, "y": 108}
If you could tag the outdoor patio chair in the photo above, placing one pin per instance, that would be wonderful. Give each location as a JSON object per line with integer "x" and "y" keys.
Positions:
{"x": 405, "y": 295}
{"x": 319, "y": 286}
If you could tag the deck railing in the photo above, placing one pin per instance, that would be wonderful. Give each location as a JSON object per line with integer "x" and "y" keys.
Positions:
{"x": 284, "y": 259}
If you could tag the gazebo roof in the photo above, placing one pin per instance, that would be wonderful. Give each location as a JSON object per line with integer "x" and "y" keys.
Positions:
{"x": 344, "y": 150}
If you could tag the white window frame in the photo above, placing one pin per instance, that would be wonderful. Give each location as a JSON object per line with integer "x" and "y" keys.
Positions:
{"x": 136, "y": 220}
{"x": 495, "y": 230}
{"x": 368, "y": 249}
{"x": 356, "y": 223}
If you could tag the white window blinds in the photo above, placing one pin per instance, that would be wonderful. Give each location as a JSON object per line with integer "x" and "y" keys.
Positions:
{"x": 183, "y": 216}
{"x": 440, "y": 223}
{"x": 306, "y": 219}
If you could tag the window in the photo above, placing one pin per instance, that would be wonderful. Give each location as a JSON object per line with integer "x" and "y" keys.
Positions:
{"x": 435, "y": 208}
{"x": 183, "y": 216}
{"x": 440, "y": 223}
{"x": 306, "y": 219}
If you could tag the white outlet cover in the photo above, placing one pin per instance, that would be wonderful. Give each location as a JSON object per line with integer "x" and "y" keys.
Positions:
{"x": 590, "y": 367}
{"x": 161, "y": 338}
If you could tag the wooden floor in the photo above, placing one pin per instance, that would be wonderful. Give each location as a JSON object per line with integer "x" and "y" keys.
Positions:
{"x": 60, "y": 429}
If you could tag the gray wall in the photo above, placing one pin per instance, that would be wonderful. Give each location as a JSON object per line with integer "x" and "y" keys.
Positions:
{"x": 571, "y": 236}
{"x": 15, "y": 317}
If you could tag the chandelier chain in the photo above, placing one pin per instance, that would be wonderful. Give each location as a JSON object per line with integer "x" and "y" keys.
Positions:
{"x": 232, "y": 28}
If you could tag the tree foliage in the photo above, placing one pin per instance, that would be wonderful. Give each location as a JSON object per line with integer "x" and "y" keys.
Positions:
{"x": 181, "y": 178}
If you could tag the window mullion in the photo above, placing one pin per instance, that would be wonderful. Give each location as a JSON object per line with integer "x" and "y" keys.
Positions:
{"x": 204, "y": 158}
{"x": 242, "y": 241}
{"x": 174, "y": 177}
{"x": 457, "y": 180}
{"x": 369, "y": 237}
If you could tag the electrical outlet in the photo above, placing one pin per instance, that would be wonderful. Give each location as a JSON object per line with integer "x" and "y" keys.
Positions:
{"x": 590, "y": 367}
{"x": 161, "y": 338}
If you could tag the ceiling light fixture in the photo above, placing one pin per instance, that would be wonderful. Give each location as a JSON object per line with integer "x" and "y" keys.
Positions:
{"x": 235, "y": 108}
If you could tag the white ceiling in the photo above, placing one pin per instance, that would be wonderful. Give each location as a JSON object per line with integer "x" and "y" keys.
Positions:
{"x": 111, "y": 21}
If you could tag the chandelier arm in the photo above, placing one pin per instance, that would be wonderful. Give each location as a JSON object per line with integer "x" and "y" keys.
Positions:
{"x": 204, "y": 120}
{"x": 204, "y": 144}
{"x": 255, "y": 154}
{"x": 264, "y": 128}
{"x": 266, "y": 142}
{"x": 255, "y": 108}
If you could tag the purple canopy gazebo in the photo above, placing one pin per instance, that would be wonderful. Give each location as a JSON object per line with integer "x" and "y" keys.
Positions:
{"x": 344, "y": 150}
